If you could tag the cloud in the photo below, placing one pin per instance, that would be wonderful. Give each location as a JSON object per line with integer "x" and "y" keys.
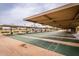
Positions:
{"x": 14, "y": 13}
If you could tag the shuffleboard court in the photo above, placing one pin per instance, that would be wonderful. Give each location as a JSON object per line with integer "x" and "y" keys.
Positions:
{"x": 62, "y": 49}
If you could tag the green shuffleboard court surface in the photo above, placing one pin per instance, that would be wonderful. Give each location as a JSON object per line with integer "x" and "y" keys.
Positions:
{"x": 63, "y": 39}
{"x": 63, "y": 49}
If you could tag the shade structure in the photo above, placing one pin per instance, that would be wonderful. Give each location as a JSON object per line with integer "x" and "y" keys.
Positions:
{"x": 65, "y": 17}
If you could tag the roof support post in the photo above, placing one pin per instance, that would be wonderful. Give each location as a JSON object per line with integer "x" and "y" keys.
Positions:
{"x": 73, "y": 30}
{"x": 11, "y": 31}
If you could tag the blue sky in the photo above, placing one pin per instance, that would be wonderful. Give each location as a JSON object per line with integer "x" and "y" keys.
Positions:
{"x": 13, "y": 13}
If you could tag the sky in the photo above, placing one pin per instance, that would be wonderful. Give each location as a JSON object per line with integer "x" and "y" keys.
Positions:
{"x": 14, "y": 13}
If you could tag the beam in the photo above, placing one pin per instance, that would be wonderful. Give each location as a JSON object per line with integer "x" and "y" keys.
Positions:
{"x": 47, "y": 17}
